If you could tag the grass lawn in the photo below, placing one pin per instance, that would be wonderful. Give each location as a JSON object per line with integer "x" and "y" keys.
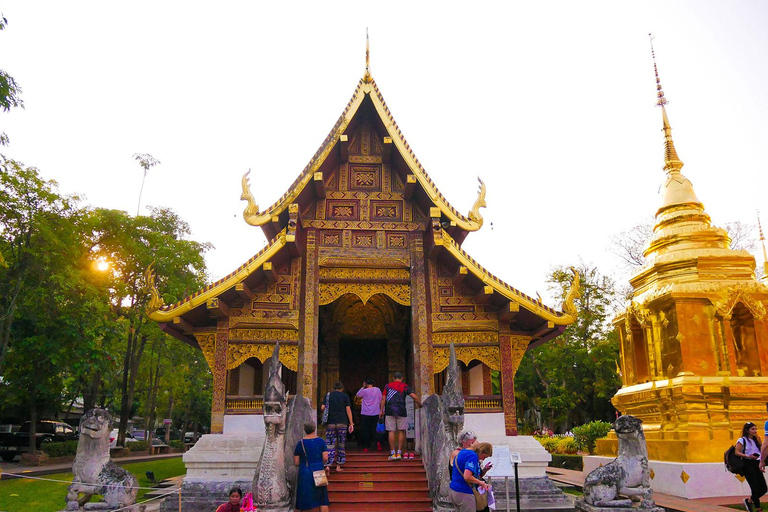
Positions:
{"x": 23, "y": 495}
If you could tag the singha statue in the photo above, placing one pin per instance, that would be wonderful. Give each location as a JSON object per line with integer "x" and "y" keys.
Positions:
{"x": 628, "y": 475}
{"x": 442, "y": 420}
{"x": 95, "y": 473}
{"x": 270, "y": 484}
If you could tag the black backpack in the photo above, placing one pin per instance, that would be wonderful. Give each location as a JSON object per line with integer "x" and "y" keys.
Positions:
{"x": 733, "y": 462}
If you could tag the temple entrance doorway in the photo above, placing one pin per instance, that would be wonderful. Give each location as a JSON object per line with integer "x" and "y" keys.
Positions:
{"x": 359, "y": 340}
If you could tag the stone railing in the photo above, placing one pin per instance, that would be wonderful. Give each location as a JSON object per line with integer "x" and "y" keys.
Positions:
{"x": 482, "y": 403}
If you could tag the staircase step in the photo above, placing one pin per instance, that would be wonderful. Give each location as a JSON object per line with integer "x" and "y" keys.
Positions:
{"x": 378, "y": 476}
{"x": 380, "y": 469}
{"x": 379, "y": 485}
{"x": 370, "y": 496}
{"x": 381, "y": 507}
{"x": 381, "y": 463}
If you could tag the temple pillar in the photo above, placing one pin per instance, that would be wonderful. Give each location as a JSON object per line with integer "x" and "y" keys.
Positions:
{"x": 218, "y": 401}
{"x": 420, "y": 338}
{"x": 512, "y": 349}
{"x": 309, "y": 322}
{"x": 487, "y": 385}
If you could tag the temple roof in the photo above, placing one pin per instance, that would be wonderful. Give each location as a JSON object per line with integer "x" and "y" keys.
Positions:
{"x": 366, "y": 88}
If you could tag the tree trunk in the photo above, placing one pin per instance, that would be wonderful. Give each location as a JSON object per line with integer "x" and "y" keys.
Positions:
{"x": 32, "y": 426}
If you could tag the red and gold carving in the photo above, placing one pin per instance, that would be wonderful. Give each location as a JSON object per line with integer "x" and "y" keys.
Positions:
{"x": 466, "y": 338}
{"x": 386, "y": 210}
{"x": 422, "y": 362}
{"x": 331, "y": 238}
{"x": 342, "y": 210}
{"x": 364, "y": 177}
{"x": 400, "y": 293}
{"x": 241, "y": 352}
{"x": 512, "y": 349}
{"x": 219, "y": 377}
{"x": 489, "y": 356}
{"x": 363, "y": 239}
{"x": 396, "y": 240}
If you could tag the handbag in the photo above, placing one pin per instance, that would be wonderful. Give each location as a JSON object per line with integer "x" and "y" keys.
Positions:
{"x": 320, "y": 477}
{"x": 481, "y": 500}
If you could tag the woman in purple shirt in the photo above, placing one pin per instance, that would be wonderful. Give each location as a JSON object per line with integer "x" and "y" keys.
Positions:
{"x": 369, "y": 412}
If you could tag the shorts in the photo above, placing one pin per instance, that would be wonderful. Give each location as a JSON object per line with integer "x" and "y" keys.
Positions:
{"x": 396, "y": 423}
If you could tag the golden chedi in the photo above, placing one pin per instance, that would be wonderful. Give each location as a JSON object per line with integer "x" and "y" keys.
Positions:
{"x": 694, "y": 339}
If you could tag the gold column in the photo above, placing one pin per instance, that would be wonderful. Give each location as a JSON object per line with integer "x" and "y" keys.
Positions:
{"x": 422, "y": 350}
{"x": 308, "y": 325}
{"x": 218, "y": 401}
{"x": 512, "y": 349}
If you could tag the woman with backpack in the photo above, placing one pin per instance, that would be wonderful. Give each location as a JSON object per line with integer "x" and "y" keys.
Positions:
{"x": 748, "y": 448}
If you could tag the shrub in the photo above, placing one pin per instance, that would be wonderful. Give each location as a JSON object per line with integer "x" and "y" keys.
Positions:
{"x": 574, "y": 462}
{"x": 566, "y": 444}
{"x": 549, "y": 443}
{"x": 177, "y": 443}
{"x": 587, "y": 434}
{"x": 138, "y": 446}
{"x": 59, "y": 449}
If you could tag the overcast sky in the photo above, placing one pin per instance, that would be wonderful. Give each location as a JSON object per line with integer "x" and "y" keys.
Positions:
{"x": 551, "y": 103}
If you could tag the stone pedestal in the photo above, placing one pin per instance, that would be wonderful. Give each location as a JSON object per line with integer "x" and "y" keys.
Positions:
{"x": 585, "y": 507}
{"x": 686, "y": 480}
{"x": 217, "y": 463}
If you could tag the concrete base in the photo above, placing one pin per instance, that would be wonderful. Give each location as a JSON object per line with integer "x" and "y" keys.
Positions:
{"x": 489, "y": 428}
{"x": 686, "y": 480}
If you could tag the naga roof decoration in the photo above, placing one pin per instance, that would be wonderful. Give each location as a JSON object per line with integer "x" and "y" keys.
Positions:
{"x": 365, "y": 88}
{"x": 167, "y": 313}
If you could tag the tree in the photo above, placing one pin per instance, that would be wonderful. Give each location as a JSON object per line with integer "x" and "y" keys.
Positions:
{"x": 10, "y": 92}
{"x": 571, "y": 379}
{"x": 132, "y": 244}
{"x": 146, "y": 161}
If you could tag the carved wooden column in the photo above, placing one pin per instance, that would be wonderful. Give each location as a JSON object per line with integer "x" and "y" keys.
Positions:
{"x": 487, "y": 384}
{"x": 308, "y": 325}
{"x": 420, "y": 337}
{"x": 512, "y": 349}
{"x": 218, "y": 402}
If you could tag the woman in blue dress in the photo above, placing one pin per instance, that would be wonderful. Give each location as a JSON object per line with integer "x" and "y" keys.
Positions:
{"x": 310, "y": 455}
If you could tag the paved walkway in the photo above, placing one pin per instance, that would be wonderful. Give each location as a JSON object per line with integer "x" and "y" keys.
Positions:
{"x": 671, "y": 503}
{"x": 64, "y": 465}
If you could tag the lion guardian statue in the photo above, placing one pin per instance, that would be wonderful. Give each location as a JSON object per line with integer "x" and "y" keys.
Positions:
{"x": 627, "y": 475}
{"x": 94, "y": 472}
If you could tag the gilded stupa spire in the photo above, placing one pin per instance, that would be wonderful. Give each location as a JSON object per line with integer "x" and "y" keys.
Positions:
{"x": 367, "y": 78}
{"x": 672, "y": 162}
{"x": 765, "y": 255}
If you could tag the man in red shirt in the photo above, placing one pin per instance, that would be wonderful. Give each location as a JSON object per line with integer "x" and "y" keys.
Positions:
{"x": 393, "y": 405}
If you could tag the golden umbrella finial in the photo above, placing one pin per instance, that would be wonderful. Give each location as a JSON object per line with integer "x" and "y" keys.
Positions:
{"x": 672, "y": 162}
{"x": 367, "y": 78}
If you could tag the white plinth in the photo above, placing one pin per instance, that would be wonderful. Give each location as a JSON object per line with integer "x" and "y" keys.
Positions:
{"x": 705, "y": 480}
{"x": 489, "y": 428}
{"x": 248, "y": 424}
{"x": 224, "y": 457}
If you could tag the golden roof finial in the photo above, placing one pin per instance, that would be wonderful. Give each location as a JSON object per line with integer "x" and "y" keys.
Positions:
{"x": 762, "y": 242}
{"x": 367, "y": 78}
{"x": 672, "y": 162}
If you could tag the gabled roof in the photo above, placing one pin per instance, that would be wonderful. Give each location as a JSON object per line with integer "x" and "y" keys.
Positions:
{"x": 167, "y": 313}
{"x": 535, "y": 306}
{"x": 365, "y": 88}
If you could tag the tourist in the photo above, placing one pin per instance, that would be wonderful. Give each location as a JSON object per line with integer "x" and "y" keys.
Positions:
{"x": 748, "y": 447}
{"x": 466, "y": 473}
{"x": 369, "y": 412}
{"x": 233, "y": 505}
{"x": 764, "y": 450}
{"x": 466, "y": 439}
{"x": 310, "y": 455}
{"x": 339, "y": 424}
{"x": 396, "y": 422}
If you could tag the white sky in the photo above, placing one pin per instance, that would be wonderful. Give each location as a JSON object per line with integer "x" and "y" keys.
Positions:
{"x": 551, "y": 103}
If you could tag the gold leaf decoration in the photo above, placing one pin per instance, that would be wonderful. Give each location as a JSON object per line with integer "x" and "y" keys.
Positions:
{"x": 155, "y": 301}
{"x": 487, "y": 355}
{"x": 574, "y": 293}
{"x": 400, "y": 293}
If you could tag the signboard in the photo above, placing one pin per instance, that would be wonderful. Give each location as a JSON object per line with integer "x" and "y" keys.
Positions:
{"x": 502, "y": 461}
{"x": 167, "y": 421}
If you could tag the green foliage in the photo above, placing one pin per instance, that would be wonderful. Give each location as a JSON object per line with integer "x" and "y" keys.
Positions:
{"x": 566, "y": 445}
{"x": 21, "y": 495}
{"x": 138, "y": 446}
{"x": 549, "y": 443}
{"x": 571, "y": 379}
{"x": 574, "y": 462}
{"x": 176, "y": 443}
{"x": 10, "y": 92}
{"x": 60, "y": 449}
{"x": 587, "y": 434}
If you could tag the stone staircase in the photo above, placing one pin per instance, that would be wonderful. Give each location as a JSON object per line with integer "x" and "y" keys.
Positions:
{"x": 371, "y": 483}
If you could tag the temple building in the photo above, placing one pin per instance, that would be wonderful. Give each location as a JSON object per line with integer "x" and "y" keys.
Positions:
{"x": 363, "y": 275}
{"x": 694, "y": 342}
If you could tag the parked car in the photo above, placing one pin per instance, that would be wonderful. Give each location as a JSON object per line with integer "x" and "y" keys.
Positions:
{"x": 139, "y": 435}
{"x": 189, "y": 437}
{"x": 160, "y": 433}
{"x": 113, "y": 438}
{"x": 46, "y": 431}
